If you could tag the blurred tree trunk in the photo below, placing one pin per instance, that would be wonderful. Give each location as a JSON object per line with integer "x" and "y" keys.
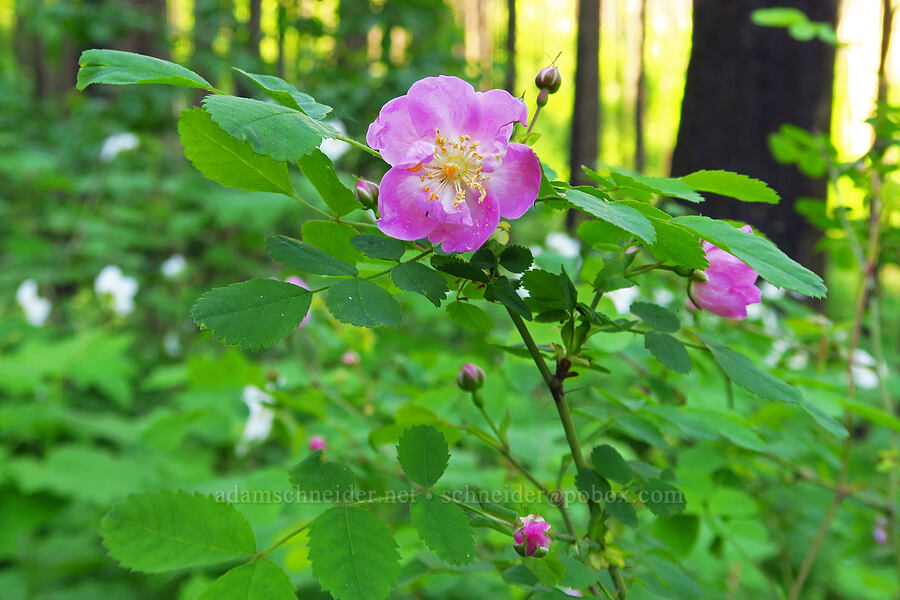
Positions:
{"x": 586, "y": 111}
{"x": 254, "y": 24}
{"x": 150, "y": 40}
{"x": 511, "y": 47}
{"x": 743, "y": 83}
{"x": 640, "y": 101}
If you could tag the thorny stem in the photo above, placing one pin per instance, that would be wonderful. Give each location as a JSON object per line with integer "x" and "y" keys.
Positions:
{"x": 555, "y": 385}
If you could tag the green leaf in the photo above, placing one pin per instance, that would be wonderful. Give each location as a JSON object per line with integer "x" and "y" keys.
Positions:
{"x": 621, "y": 510}
{"x": 587, "y": 481}
{"x": 663, "y": 499}
{"x": 516, "y": 259}
{"x": 423, "y": 453}
{"x": 578, "y": 575}
{"x": 119, "y": 68}
{"x": 332, "y": 239}
{"x": 469, "y": 316}
{"x": 258, "y": 580}
{"x": 668, "y": 350}
{"x": 619, "y": 215}
{"x": 548, "y": 570}
{"x": 362, "y": 303}
{"x": 252, "y": 314}
{"x": 663, "y": 186}
{"x": 743, "y": 372}
{"x": 829, "y": 423}
{"x": 303, "y": 257}
{"x": 277, "y": 131}
{"x": 678, "y": 244}
{"x": 503, "y": 290}
{"x": 656, "y": 316}
{"x": 444, "y": 528}
{"x": 164, "y": 530}
{"x": 319, "y": 169}
{"x": 379, "y": 246}
{"x": 609, "y": 463}
{"x": 758, "y": 252}
{"x": 353, "y": 554}
{"x": 416, "y": 277}
{"x": 226, "y": 160}
{"x": 733, "y": 185}
{"x": 547, "y": 291}
{"x": 286, "y": 94}
{"x": 778, "y": 17}
{"x": 873, "y": 414}
{"x": 458, "y": 268}
{"x": 315, "y": 475}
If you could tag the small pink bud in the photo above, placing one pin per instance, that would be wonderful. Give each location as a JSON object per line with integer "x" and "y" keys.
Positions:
{"x": 549, "y": 79}
{"x": 532, "y": 536}
{"x": 367, "y": 193}
{"x": 316, "y": 442}
{"x": 350, "y": 358}
{"x": 470, "y": 377}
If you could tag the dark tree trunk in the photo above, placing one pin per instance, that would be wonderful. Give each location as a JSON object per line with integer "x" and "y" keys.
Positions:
{"x": 511, "y": 47}
{"x": 743, "y": 83}
{"x": 640, "y": 100}
{"x": 254, "y": 24}
{"x": 586, "y": 111}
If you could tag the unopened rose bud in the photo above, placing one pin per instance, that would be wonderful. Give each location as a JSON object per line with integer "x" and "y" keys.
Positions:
{"x": 470, "y": 377}
{"x": 316, "y": 442}
{"x": 532, "y": 536}
{"x": 548, "y": 79}
{"x": 699, "y": 276}
{"x": 367, "y": 193}
{"x": 542, "y": 98}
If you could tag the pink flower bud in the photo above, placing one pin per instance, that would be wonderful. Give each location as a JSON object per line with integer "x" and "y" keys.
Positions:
{"x": 367, "y": 193}
{"x": 549, "y": 79}
{"x": 532, "y": 536}
{"x": 470, "y": 377}
{"x": 729, "y": 285}
{"x": 316, "y": 442}
{"x": 879, "y": 532}
{"x": 350, "y": 358}
{"x": 299, "y": 283}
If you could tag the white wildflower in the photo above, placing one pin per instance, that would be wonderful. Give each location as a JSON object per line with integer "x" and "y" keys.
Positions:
{"x": 36, "y": 309}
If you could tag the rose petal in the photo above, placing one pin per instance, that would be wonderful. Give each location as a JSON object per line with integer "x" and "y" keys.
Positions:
{"x": 516, "y": 183}
{"x": 404, "y": 207}
{"x": 460, "y": 237}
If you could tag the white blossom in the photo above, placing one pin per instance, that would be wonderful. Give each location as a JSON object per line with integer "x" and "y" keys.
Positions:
{"x": 36, "y": 309}
{"x": 259, "y": 422}
{"x": 563, "y": 244}
{"x": 172, "y": 266}
{"x": 121, "y": 289}
{"x": 623, "y": 298}
{"x": 331, "y": 147}
{"x": 863, "y": 370}
{"x": 116, "y": 143}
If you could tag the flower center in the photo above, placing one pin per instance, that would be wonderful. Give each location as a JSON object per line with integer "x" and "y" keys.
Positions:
{"x": 455, "y": 168}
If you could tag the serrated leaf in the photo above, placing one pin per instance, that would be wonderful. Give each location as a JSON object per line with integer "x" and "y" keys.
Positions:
{"x": 319, "y": 169}
{"x": 662, "y": 186}
{"x": 416, "y": 277}
{"x": 164, "y": 530}
{"x": 744, "y": 373}
{"x": 609, "y": 463}
{"x": 733, "y": 185}
{"x": 517, "y": 259}
{"x": 548, "y": 569}
{"x": 423, "y": 453}
{"x": 303, "y": 257}
{"x": 120, "y": 68}
{"x": 547, "y": 291}
{"x": 458, "y": 268}
{"x": 332, "y": 239}
{"x": 252, "y": 314}
{"x": 362, "y": 303}
{"x": 578, "y": 575}
{"x": 277, "y": 131}
{"x": 257, "y": 580}
{"x": 656, "y": 316}
{"x": 669, "y": 351}
{"x": 379, "y": 246}
{"x": 353, "y": 554}
{"x": 758, "y": 252}
{"x": 587, "y": 481}
{"x": 662, "y": 498}
{"x": 504, "y": 291}
{"x": 469, "y": 316}
{"x": 226, "y": 160}
{"x": 621, "y": 510}
{"x": 286, "y": 94}
{"x": 444, "y": 528}
{"x": 329, "y": 479}
{"x": 678, "y": 244}
{"x": 619, "y": 215}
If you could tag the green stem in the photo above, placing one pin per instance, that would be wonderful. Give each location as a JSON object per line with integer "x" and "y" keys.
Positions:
{"x": 359, "y": 145}
{"x": 285, "y": 539}
{"x": 313, "y": 207}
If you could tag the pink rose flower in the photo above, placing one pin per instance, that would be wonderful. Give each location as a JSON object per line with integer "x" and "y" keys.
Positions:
{"x": 454, "y": 172}
{"x": 316, "y": 442}
{"x": 299, "y": 282}
{"x": 532, "y": 536}
{"x": 730, "y": 286}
